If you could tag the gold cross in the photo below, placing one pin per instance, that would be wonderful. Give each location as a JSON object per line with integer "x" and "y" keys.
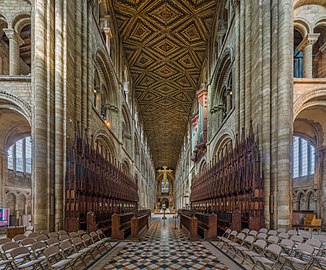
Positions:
{"x": 165, "y": 172}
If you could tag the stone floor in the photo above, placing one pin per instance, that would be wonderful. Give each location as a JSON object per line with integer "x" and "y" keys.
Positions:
{"x": 164, "y": 247}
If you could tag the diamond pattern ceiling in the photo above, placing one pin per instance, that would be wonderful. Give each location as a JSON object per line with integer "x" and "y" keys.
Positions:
{"x": 165, "y": 43}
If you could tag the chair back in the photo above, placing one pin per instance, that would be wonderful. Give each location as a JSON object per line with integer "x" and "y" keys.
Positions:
{"x": 19, "y": 237}
{"x": 253, "y": 233}
{"x": 42, "y": 237}
{"x": 5, "y": 240}
{"x": 297, "y": 238}
{"x": 28, "y": 241}
{"x": 273, "y": 239}
{"x": 283, "y": 235}
{"x": 53, "y": 235}
{"x": 19, "y": 252}
{"x": 8, "y": 246}
{"x": 314, "y": 242}
{"x": 263, "y": 230}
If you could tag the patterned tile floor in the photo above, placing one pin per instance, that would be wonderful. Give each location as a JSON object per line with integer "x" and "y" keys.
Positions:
{"x": 163, "y": 247}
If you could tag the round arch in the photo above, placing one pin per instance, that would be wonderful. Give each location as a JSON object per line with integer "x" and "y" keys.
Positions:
{"x": 20, "y": 20}
{"x": 221, "y": 73}
{"x": 100, "y": 137}
{"x": 226, "y": 136}
{"x": 302, "y": 26}
{"x": 313, "y": 98}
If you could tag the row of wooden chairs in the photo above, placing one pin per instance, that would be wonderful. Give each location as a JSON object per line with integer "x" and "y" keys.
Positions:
{"x": 49, "y": 252}
{"x": 270, "y": 251}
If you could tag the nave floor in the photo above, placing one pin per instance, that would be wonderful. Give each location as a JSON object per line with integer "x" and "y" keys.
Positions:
{"x": 164, "y": 247}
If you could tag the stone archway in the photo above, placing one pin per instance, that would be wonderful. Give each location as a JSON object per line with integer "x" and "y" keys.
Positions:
{"x": 14, "y": 125}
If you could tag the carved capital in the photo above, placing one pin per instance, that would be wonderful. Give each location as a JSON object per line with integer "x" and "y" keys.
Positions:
{"x": 12, "y": 34}
{"x": 310, "y": 39}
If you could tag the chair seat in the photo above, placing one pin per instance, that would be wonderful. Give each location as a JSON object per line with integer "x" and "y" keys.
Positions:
{"x": 28, "y": 264}
{"x": 264, "y": 260}
{"x": 320, "y": 258}
{"x": 251, "y": 253}
{"x": 296, "y": 260}
{"x": 61, "y": 263}
{"x": 2, "y": 262}
{"x": 242, "y": 248}
{"x": 74, "y": 256}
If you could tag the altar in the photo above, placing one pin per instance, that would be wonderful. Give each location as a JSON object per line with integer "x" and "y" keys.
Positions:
{"x": 167, "y": 212}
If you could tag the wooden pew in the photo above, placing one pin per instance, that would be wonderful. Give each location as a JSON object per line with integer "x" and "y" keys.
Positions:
{"x": 207, "y": 225}
{"x": 189, "y": 224}
{"x": 101, "y": 221}
{"x": 139, "y": 224}
{"x": 121, "y": 225}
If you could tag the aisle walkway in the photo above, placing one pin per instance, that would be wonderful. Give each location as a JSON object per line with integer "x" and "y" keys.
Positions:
{"x": 164, "y": 247}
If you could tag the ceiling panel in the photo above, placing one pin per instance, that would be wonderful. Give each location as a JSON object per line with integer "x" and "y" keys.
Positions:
{"x": 165, "y": 43}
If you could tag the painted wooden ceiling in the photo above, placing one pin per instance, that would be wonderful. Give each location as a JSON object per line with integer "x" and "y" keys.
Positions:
{"x": 165, "y": 43}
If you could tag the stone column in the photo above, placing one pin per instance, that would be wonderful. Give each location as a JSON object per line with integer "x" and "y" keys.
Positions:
{"x": 321, "y": 190}
{"x": 236, "y": 70}
{"x": 284, "y": 113}
{"x": 307, "y": 45}
{"x": 108, "y": 36}
{"x": 228, "y": 100}
{"x": 14, "y": 42}
{"x": 3, "y": 176}
{"x": 220, "y": 109}
{"x": 42, "y": 127}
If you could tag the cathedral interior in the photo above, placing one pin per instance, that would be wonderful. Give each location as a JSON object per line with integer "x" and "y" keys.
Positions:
{"x": 163, "y": 134}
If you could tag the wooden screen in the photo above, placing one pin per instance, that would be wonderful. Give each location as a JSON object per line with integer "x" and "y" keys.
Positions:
{"x": 233, "y": 182}
{"x": 95, "y": 182}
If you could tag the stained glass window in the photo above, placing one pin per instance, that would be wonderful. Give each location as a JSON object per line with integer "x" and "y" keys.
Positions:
{"x": 28, "y": 155}
{"x": 165, "y": 186}
{"x": 19, "y": 156}
{"x": 303, "y": 157}
{"x": 11, "y": 158}
{"x": 21, "y": 153}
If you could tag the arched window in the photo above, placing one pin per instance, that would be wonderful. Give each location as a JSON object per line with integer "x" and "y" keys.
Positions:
{"x": 303, "y": 157}
{"x": 165, "y": 186}
{"x": 298, "y": 56}
{"x": 20, "y": 156}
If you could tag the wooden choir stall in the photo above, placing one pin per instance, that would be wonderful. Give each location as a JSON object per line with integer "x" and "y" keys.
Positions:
{"x": 232, "y": 188}
{"x": 96, "y": 188}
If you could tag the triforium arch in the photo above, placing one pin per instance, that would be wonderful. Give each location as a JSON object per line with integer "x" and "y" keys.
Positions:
{"x": 106, "y": 88}
{"x": 104, "y": 143}
{"x": 221, "y": 96}
{"x": 126, "y": 129}
{"x": 125, "y": 166}
{"x": 221, "y": 77}
{"x": 223, "y": 145}
{"x": 20, "y": 20}
{"x": 136, "y": 151}
{"x": 14, "y": 126}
